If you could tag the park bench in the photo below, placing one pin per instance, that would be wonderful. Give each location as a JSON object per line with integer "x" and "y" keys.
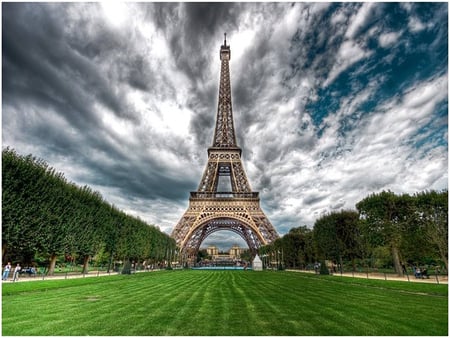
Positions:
{"x": 29, "y": 271}
{"x": 421, "y": 273}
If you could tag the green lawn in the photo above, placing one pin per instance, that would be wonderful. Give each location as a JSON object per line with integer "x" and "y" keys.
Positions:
{"x": 223, "y": 303}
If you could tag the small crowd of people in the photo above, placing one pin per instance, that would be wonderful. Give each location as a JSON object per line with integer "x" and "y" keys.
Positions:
{"x": 420, "y": 273}
{"x": 17, "y": 271}
{"x": 7, "y": 270}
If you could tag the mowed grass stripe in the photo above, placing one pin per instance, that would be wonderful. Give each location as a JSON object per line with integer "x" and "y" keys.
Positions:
{"x": 171, "y": 310}
{"x": 194, "y": 306}
{"x": 285, "y": 300}
{"x": 365, "y": 309}
{"x": 292, "y": 303}
{"x": 223, "y": 303}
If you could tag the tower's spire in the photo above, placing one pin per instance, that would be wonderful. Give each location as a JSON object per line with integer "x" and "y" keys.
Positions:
{"x": 225, "y": 39}
{"x": 224, "y": 136}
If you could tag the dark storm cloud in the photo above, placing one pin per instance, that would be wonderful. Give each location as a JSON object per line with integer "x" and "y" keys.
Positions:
{"x": 47, "y": 67}
{"x": 199, "y": 26}
{"x": 39, "y": 60}
{"x": 139, "y": 76}
{"x": 206, "y": 18}
{"x": 165, "y": 15}
{"x": 143, "y": 180}
{"x": 192, "y": 30}
{"x": 203, "y": 123}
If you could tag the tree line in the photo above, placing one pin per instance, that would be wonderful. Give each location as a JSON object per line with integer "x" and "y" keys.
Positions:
{"x": 385, "y": 230}
{"x": 44, "y": 214}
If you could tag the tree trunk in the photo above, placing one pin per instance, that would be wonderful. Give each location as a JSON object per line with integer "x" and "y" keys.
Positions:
{"x": 52, "y": 264}
{"x": 110, "y": 262}
{"x": 126, "y": 270}
{"x": 439, "y": 238}
{"x": 85, "y": 264}
{"x": 444, "y": 258}
{"x": 3, "y": 252}
{"x": 396, "y": 259}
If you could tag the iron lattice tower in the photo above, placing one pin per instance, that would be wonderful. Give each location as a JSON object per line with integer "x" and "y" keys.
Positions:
{"x": 237, "y": 209}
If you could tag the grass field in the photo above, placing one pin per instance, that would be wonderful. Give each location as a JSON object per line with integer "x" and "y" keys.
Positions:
{"x": 223, "y": 303}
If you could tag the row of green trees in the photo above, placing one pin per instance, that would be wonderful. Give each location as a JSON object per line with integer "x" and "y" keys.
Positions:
{"x": 386, "y": 229}
{"x": 44, "y": 214}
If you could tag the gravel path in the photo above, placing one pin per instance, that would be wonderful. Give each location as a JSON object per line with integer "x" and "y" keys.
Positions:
{"x": 391, "y": 277}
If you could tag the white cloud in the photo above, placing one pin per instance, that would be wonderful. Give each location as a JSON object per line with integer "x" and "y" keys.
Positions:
{"x": 415, "y": 25}
{"x": 387, "y": 40}
{"x": 115, "y": 12}
{"x": 309, "y": 184}
{"x": 359, "y": 19}
{"x": 349, "y": 53}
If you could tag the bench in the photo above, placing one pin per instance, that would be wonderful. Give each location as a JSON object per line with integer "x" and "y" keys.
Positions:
{"x": 29, "y": 271}
{"x": 421, "y": 273}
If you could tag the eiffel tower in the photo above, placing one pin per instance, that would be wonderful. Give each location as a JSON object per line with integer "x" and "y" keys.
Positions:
{"x": 213, "y": 208}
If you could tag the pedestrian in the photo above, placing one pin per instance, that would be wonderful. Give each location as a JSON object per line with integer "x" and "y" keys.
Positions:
{"x": 16, "y": 272}
{"x": 404, "y": 268}
{"x": 6, "y": 271}
{"x": 418, "y": 273}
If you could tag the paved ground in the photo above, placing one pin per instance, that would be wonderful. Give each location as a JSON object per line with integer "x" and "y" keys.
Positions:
{"x": 69, "y": 275}
{"x": 373, "y": 275}
{"x": 433, "y": 279}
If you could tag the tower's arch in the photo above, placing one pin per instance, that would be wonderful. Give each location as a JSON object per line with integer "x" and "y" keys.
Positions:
{"x": 211, "y": 225}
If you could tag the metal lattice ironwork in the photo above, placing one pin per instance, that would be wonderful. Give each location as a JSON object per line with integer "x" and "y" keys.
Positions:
{"x": 211, "y": 210}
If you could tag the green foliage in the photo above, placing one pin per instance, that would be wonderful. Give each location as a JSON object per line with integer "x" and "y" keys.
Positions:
{"x": 388, "y": 230}
{"x": 44, "y": 215}
{"x": 297, "y": 247}
{"x": 126, "y": 268}
{"x": 293, "y": 250}
{"x": 432, "y": 216}
{"x": 337, "y": 236}
{"x": 201, "y": 255}
{"x": 323, "y": 269}
{"x": 412, "y": 227}
{"x": 224, "y": 303}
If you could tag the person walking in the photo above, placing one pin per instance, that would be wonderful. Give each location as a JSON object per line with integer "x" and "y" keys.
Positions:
{"x": 6, "y": 271}
{"x": 16, "y": 272}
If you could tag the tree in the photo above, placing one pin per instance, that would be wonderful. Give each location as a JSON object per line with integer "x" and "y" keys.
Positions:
{"x": 432, "y": 213}
{"x": 386, "y": 216}
{"x": 336, "y": 236}
{"x": 33, "y": 206}
{"x": 111, "y": 232}
{"x": 44, "y": 214}
{"x": 87, "y": 225}
{"x": 297, "y": 247}
{"x": 18, "y": 207}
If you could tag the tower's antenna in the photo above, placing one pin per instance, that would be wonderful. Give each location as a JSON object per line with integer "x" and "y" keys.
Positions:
{"x": 225, "y": 38}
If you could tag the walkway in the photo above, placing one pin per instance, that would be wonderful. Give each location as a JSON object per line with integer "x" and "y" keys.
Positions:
{"x": 68, "y": 275}
{"x": 441, "y": 279}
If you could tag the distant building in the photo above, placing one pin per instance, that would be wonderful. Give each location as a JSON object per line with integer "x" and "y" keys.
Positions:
{"x": 213, "y": 251}
{"x": 235, "y": 252}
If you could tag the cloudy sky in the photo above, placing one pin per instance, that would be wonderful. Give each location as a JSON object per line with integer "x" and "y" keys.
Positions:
{"x": 331, "y": 101}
